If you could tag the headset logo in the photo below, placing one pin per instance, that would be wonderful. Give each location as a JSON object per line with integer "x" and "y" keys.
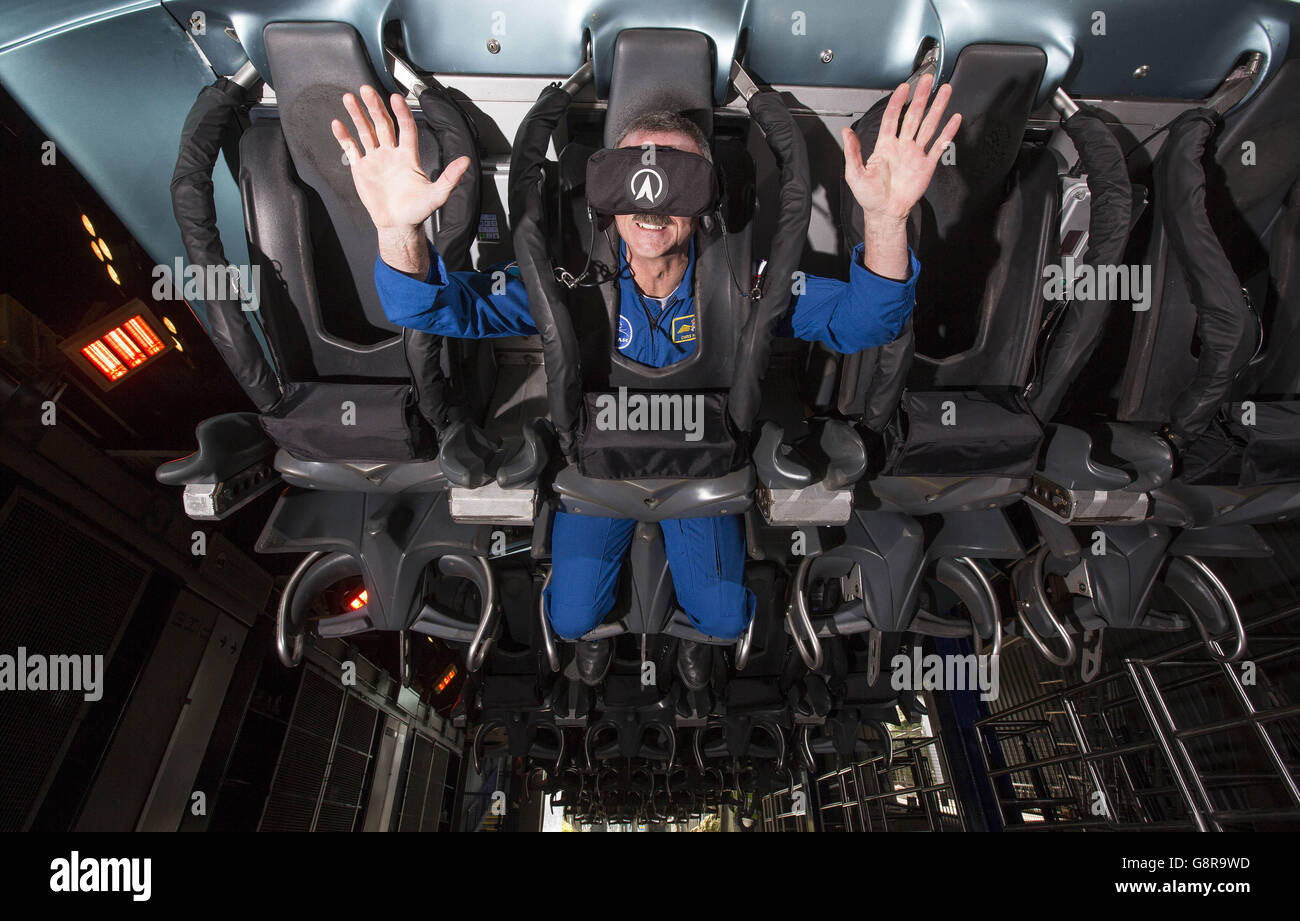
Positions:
{"x": 647, "y": 183}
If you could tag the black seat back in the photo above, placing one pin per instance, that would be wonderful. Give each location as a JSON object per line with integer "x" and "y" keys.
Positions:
{"x": 983, "y": 232}
{"x": 304, "y": 217}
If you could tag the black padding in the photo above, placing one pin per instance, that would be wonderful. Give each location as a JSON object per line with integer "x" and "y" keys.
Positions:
{"x": 312, "y": 65}
{"x": 1109, "y": 219}
{"x": 545, "y": 300}
{"x": 1272, "y": 442}
{"x": 1214, "y": 292}
{"x": 794, "y": 211}
{"x": 227, "y": 445}
{"x": 871, "y": 381}
{"x": 633, "y": 435}
{"x": 213, "y": 124}
{"x": 660, "y": 70}
{"x": 457, "y": 225}
{"x": 963, "y": 433}
{"x": 350, "y": 422}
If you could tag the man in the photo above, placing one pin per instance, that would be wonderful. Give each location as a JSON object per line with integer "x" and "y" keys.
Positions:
{"x": 705, "y": 555}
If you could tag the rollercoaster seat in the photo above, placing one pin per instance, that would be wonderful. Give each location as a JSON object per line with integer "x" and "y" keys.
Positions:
{"x": 940, "y": 410}
{"x": 952, "y": 432}
{"x": 1227, "y": 409}
{"x": 651, "y": 69}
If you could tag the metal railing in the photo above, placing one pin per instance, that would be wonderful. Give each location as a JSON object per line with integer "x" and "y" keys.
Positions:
{"x": 1174, "y": 741}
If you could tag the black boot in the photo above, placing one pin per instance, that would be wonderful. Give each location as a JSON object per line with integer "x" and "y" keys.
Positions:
{"x": 694, "y": 664}
{"x": 593, "y": 658}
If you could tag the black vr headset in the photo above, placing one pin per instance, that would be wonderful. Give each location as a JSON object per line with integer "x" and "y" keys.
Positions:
{"x": 650, "y": 180}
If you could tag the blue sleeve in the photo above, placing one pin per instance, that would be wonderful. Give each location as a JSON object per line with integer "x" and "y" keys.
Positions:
{"x": 867, "y": 311}
{"x": 462, "y": 305}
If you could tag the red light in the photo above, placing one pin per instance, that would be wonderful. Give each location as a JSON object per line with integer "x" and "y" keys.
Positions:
{"x": 104, "y": 359}
{"x": 446, "y": 679}
{"x": 125, "y": 347}
{"x": 358, "y": 602}
{"x": 144, "y": 335}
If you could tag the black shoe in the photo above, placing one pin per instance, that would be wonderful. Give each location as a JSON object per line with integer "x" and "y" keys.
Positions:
{"x": 593, "y": 658}
{"x": 694, "y": 664}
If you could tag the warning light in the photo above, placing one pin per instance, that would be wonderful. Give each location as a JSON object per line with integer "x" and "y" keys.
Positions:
{"x": 176, "y": 342}
{"x": 112, "y": 273}
{"x": 446, "y": 680}
{"x": 103, "y": 359}
{"x": 359, "y": 601}
{"x": 167, "y": 322}
{"x": 144, "y": 336}
{"x": 85, "y": 222}
{"x": 95, "y": 247}
{"x": 103, "y": 248}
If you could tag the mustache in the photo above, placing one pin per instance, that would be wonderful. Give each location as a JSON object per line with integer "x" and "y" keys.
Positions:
{"x": 652, "y": 220}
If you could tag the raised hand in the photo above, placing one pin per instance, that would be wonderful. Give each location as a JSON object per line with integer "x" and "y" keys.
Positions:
{"x": 899, "y": 169}
{"x": 388, "y": 178}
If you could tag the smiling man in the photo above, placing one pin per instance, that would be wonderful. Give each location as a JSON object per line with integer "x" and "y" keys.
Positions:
{"x": 657, "y": 255}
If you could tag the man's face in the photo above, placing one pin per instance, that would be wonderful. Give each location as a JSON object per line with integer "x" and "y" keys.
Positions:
{"x": 649, "y": 236}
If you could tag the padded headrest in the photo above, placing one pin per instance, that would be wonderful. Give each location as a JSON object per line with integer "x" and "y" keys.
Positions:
{"x": 660, "y": 69}
{"x": 993, "y": 87}
{"x": 312, "y": 65}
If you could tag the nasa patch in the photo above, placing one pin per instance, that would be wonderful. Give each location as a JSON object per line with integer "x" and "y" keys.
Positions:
{"x": 624, "y": 332}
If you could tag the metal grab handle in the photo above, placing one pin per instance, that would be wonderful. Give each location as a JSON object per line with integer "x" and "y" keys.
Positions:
{"x": 290, "y": 648}
{"x": 476, "y": 747}
{"x": 987, "y": 588}
{"x": 805, "y": 748}
{"x": 745, "y": 644}
{"x": 592, "y": 733}
{"x": 670, "y": 738}
{"x": 1234, "y": 616}
{"x": 885, "y": 737}
{"x": 796, "y": 619}
{"x": 489, "y": 618}
{"x": 778, "y": 737}
{"x": 548, "y": 638}
{"x": 1071, "y": 651}
{"x": 559, "y": 738}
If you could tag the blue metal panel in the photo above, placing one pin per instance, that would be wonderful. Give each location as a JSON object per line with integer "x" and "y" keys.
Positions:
{"x": 873, "y": 43}
{"x": 1187, "y": 46}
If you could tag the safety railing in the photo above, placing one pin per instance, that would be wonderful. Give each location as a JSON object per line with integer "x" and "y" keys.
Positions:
{"x": 1174, "y": 741}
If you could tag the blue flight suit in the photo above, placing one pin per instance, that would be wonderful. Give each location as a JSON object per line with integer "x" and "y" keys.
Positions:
{"x": 706, "y": 556}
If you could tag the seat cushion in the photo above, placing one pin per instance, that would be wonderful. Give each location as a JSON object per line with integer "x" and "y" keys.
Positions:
{"x": 350, "y": 422}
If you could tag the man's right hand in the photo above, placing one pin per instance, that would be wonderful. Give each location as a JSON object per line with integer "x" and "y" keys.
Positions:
{"x": 389, "y": 181}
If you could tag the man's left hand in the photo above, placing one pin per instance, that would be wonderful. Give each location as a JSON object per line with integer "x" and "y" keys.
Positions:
{"x": 898, "y": 171}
